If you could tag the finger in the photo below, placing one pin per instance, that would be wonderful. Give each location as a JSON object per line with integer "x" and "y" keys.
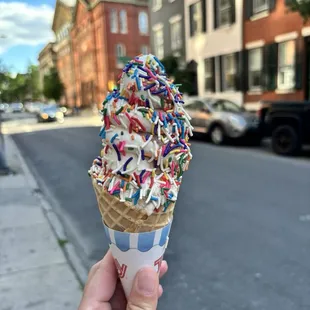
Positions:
{"x": 163, "y": 269}
{"x": 160, "y": 291}
{"x": 144, "y": 293}
{"x": 93, "y": 270}
{"x": 101, "y": 285}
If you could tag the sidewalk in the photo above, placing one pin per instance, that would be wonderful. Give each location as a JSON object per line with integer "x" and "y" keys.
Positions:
{"x": 34, "y": 272}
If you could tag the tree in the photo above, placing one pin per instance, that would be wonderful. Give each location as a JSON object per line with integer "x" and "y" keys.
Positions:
{"x": 187, "y": 77}
{"x": 300, "y": 6}
{"x": 32, "y": 81}
{"x": 52, "y": 86}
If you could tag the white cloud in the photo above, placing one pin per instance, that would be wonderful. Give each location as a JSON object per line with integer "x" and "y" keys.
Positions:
{"x": 25, "y": 24}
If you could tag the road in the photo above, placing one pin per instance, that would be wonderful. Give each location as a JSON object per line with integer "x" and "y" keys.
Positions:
{"x": 241, "y": 232}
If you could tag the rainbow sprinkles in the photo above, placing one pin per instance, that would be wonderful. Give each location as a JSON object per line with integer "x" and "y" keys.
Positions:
{"x": 144, "y": 136}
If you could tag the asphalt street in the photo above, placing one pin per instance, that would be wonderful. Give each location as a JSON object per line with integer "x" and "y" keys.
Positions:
{"x": 241, "y": 232}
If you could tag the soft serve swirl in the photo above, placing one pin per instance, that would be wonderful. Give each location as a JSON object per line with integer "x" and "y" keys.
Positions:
{"x": 145, "y": 138}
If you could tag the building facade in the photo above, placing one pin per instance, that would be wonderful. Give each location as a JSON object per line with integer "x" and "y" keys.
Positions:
{"x": 213, "y": 31}
{"x": 47, "y": 60}
{"x": 168, "y": 29}
{"x": 62, "y": 25}
{"x": 105, "y": 35}
{"x": 276, "y": 44}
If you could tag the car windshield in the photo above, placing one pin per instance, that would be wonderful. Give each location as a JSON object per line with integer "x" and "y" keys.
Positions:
{"x": 225, "y": 106}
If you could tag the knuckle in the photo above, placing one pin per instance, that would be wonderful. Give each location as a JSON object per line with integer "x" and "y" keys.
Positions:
{"x": 133, "y": 305}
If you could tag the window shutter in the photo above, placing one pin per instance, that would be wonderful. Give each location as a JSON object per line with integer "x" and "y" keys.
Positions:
{"x": 213, "y": 73}
{"x": 272, "y": 4}
{"x": 232, "y": 11}
{"x": 248, "y": 6}
{"x": 239, "y": 69}
{"x": 221, "y": 63}
{"x": 245, "y": 75}
{"x": 215, "y": 13}
{"x": 299, "y": 65}
{"x": 191, "y": 20}
{"x": 270, "y": 58}
{"x": 204, "y": 16}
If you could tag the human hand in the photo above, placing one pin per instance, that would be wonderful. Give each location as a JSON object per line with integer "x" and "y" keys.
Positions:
{"x": 103, "y": 290}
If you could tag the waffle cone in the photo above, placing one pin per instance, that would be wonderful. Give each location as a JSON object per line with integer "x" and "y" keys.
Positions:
{"x": 123, "y": 216}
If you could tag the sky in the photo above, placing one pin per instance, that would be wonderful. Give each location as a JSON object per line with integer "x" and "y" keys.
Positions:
{"x": 25, "y": 28}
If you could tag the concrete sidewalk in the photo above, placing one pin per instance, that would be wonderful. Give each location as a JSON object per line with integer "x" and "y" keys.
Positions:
{"x": 34, "y": 272}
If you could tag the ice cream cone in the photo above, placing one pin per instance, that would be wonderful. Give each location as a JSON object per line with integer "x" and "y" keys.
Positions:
{"x": 124, "y": 217}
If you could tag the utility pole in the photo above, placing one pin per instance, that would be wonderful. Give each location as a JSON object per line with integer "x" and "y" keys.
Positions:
{"x": 4, "y": 169}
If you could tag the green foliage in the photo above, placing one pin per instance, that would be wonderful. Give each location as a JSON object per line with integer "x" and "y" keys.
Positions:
{"x": 52, "y": 86}
{"x": 186, "y": 77}
{"x": 62, "y": 242}
{"x": 20, "y": 87}
{"x": 300, "y": 6}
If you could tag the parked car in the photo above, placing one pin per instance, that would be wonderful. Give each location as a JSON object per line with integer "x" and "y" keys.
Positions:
{"x": 50, "y": 114}
{"x": 288, "y": 125}
{"x": 222, "y": 120}
{"x": 4, "y": 107}
{"x": 16, "y": 107}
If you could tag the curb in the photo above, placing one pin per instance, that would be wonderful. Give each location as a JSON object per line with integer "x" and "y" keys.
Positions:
{"x": 68, "y": 248}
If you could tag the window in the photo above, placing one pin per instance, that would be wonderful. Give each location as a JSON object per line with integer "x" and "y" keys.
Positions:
{"x": 157, "y": 5}
{"x": 120, "y": 52}
{"x": 286, "y": 65}
{"x": 144, "y": 49}
{"x": 123, "y": 21}
{"x": 176, "y": 35}
{"x": 255, "y": 68}
{"x": 209, "y": 78}
{"x": 229, "y": 80}
{"x": 196, "y": 18}
{"x": 224, "y": 12}
{"x": 143, "y": 23}
{"x": 195, "y": 105}
{"x": 229, "y": 106}
{"x": 159, "y": 42}
{"x": 260, "y": 6}
{"x": 113, "y": 21}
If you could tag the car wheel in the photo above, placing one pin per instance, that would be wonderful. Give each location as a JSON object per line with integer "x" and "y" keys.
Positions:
{"x": 285, "y": 141}
{"x": 217, "y": 135}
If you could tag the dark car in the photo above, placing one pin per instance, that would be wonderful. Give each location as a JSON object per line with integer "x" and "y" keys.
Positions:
{"x": 288, "y": 125}
{"x": 50, "y": 114}
{"x": 222, "y": 120}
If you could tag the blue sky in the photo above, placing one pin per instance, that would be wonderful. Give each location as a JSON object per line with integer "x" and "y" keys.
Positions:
{"x": 25, "y": 28}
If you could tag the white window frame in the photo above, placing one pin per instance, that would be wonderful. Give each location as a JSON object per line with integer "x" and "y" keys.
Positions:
{"x": 207, "y": 74}
{"x": 144, "y": 49}
{"x": 157, "y": 4}
{"x": 123, "y": 21}
{"x": 252, "y": 70}
{"x": 143, "y": 30}
{"x": 259, "y": 8}
{"x": 232, "y": 71}
{"x": 159, "y": 49}
{"x": 287, "y": 69}
{"x": 113, "y": 21}
{"x": 176, "y": 21}
{"x": 223, "y": 9}
{"x": 198, "y": 18}
{"x": 120, "y": 52}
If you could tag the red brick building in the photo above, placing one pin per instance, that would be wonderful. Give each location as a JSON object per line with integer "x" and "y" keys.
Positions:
{"x": 276, "y": 52}
{"x": 62, "y": 24}
{"x": 105, "y": 33}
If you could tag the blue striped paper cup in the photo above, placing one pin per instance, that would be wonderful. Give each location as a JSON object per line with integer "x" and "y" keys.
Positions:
{"x": 133, "y": 251}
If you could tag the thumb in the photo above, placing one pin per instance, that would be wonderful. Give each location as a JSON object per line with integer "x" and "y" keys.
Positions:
{"x": 144, "y": 293}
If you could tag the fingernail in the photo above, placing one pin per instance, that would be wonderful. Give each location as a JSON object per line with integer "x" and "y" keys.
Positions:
{"x": 146, "y": 283}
